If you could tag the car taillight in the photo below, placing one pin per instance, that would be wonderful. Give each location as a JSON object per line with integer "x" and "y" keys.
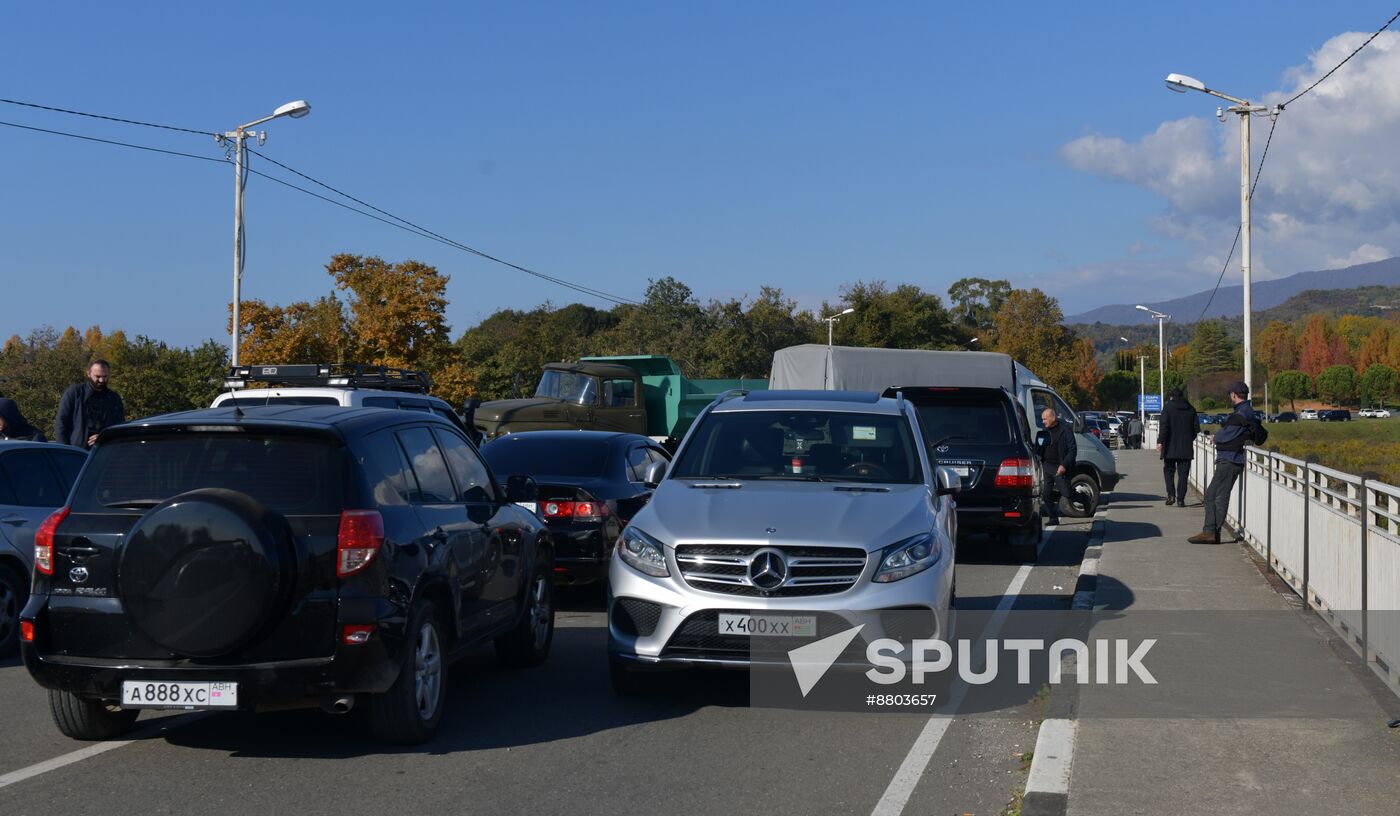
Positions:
{"x": 26, "y": 631}
{"x": 576, "y": 510}
{"x": 43, "y": 541}
{"x": 361, "y": 534}
{"x": 1015, "y": 473}
{"x": 355, "y": 634}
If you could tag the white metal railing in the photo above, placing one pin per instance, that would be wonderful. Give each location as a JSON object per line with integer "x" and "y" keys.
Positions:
{"x": 1333, "y": 537}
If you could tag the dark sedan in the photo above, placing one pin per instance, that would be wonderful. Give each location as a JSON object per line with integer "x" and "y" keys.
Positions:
{"x": 591, "y": 483}
{"x": 1335, "y": 415}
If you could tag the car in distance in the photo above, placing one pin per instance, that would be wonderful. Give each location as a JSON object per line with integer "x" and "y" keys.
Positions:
{"x": 591, "y": 483}
{"x": 1380, "y": 413}
{"x": 35, "y": 478}
{"x": 1308, "y": 413}
{"x": 787, "y": 509}
{"x": 277, "y": 557}
{"x": 981, "y": 433}
{"x": 1285, "y": 416}
{"x": 1335, "y": 415}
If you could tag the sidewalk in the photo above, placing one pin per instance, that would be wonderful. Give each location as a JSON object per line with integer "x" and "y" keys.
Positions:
{"x": 1244, "y": 734}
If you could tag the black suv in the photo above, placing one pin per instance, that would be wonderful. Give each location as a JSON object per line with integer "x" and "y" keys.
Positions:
{"x": 278, "y": 557}
{"x": 1335, "y": 415}
{"x": 983, "y": 434}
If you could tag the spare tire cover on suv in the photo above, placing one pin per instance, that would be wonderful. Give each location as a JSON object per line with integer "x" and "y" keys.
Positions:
{"x": 204, "y": 572}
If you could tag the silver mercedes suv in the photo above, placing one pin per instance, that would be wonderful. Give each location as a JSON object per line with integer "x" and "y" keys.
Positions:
{"x": 783, "y": 513}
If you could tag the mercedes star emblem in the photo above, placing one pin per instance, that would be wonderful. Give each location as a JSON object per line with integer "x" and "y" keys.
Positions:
{"x": 768, "y": 570}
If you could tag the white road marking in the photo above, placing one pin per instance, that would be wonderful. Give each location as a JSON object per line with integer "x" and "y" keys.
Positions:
{"x": 1054, "y": 753}
{"x": 158, "y": 727}
{"x": 906, "y": 779}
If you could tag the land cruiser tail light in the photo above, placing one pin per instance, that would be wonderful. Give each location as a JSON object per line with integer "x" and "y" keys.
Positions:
{"x": 361, "y": 534}
{"x": 1015, "y": 473}
{"x": 576, "y": 510}
{"x": 43, "y": 541}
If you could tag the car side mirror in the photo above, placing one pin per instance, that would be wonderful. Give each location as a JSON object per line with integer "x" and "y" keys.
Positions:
{"x": 949, "y": 482}
{"x": 655, "y": 472}
{"x": 521, "y": 489}
{"x": 1079, "y": 424}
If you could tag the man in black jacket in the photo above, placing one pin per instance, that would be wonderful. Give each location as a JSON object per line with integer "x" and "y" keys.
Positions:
{"x": 1175, "y": 444}
{"x": 1056, "y": 459}
{"x": 88, "y": 408}
{"x": 1230, "y": 442}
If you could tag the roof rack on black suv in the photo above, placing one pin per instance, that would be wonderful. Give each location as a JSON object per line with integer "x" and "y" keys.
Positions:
{"x": 284, "y": 556}
{"x": 344, "y": 375}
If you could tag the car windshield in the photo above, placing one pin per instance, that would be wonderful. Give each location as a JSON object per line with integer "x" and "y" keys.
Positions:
{"x": 535, "y": 455}
{"x": 569, "y": 386}
{"x": 801, "y": 445}
{"x": 267, "y": 399}
{"x": 290, "y": 475}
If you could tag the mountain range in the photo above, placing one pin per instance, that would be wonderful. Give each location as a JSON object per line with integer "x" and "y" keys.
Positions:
{"x": 1266, "y": 295}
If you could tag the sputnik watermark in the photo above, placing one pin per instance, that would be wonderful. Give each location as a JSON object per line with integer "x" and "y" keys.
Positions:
{"x": 1115, "y": 661}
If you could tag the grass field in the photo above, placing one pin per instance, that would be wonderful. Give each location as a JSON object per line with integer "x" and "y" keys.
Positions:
{"x": 1355, "y": 447}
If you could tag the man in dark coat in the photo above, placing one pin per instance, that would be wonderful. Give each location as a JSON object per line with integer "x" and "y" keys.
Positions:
{"x": 88, "y": 408}
{"x": 1057, "y": 460}
{"x": 13, "y": 425}
{"x": 1179, "y": 427}
{"x": 1230, "y": 442}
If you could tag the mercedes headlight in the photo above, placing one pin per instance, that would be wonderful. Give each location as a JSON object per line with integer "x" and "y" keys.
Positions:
{"x": 643, "y": 553}
{"x": 908, "y": 557}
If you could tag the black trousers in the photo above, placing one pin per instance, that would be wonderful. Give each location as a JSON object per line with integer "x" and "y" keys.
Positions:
{"x": 1176, "y": 472}
{"x": 1052, "y": 487}
{"x": 1218, "y": 494}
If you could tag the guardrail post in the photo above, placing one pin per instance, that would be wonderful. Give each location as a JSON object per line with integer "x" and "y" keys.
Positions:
{"x": 1307, "y": 503}
{"x": 1365, "y": 557}
{"x": 1269, "y": 519}
{"x": 1240, "y": 512}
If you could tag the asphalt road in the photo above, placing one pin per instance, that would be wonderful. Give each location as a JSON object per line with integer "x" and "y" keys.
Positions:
{"x": 557, "y": 740}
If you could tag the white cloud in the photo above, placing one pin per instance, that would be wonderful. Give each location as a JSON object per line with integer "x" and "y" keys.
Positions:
{"x": 1330, "y": 193}
{"x": 1366, "y": 253}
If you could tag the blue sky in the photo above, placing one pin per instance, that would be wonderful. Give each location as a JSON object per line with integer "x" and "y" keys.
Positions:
{"x": 800, "y": 145}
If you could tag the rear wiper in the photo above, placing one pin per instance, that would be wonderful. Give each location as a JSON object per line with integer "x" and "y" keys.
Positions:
{"x": 136, "y": 504}
{"x": 950, "y": 438}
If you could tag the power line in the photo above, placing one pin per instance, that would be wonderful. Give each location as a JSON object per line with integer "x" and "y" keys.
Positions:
{"x": 1324, "y": 77}
{"x": 618, "y": 299}
{"x": 112, "y": 142}
{"x": 391, "y": 220}
{"x": 108, "y": 118}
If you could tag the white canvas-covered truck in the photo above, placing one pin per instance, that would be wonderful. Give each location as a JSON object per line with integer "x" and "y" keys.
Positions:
{"x": 843, "y": 368}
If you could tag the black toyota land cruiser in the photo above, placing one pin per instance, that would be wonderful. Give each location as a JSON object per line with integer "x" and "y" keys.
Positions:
{"x": 984, "y": 435}
{"x": 278, "y": 557}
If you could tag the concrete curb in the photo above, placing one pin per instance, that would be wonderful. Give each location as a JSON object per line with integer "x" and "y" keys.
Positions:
{"x": 1047, "y": 787}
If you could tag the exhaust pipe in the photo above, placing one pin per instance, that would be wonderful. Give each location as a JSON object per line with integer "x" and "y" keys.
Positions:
{"x": 339, "y": 705}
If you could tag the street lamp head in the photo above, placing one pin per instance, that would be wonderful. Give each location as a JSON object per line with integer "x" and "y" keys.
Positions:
{"x": 973, "y": 340}
{"x": 1124, "y": 339}
{"x": 849, "y": 310}
{"x": 295, "y": 110}
{"x": 1182, "y": 83}
{"x": 1142, "y": 308}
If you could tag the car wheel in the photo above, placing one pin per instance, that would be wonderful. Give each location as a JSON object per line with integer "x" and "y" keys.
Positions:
{"x": 1083, "y": 500}
{"x": 527, "y": 645}
{"x": 627, "y": 681}
{"x": 411, "y": 710}
{"x": 14, "y": 591}
{"x": 82, "y": 719}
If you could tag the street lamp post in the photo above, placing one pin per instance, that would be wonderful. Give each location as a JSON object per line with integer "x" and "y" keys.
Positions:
{"x": 1161, "y": 354}
{"x": 831, "y": 323}
{"x": 1142, "y": 390}
{"x": 240, "y": 136}
{"x": 1180, "y": 83}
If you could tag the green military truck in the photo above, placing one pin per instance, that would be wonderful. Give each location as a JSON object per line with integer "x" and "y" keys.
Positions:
{"x": 643, "y": 395}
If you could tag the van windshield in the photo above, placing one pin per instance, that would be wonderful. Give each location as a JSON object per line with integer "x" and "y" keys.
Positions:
{"x": 801, "y": 445}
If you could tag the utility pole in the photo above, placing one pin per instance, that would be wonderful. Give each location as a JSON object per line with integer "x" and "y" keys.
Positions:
{"x": 1161, "y": 353}
{"x": 1142, "y": 389}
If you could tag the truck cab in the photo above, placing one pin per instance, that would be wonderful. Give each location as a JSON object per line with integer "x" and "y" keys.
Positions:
{"x": 595, "y": 396}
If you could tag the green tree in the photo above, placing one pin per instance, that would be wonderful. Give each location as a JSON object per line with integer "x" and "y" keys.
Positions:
{"x": 903, "y": 317}
{"x": 1337, "y": 384}
{"x": 1378, "y": 385}
{"x": 1118, "y": 389}
{"x": 669, "y": 321}
{"x": 1292, "y": 386}
{"x": 975, "y": 301}
{"x": 743, "y": 336}
{"x": 1029, "y": 327}
{"x": 1210, "y": 350}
